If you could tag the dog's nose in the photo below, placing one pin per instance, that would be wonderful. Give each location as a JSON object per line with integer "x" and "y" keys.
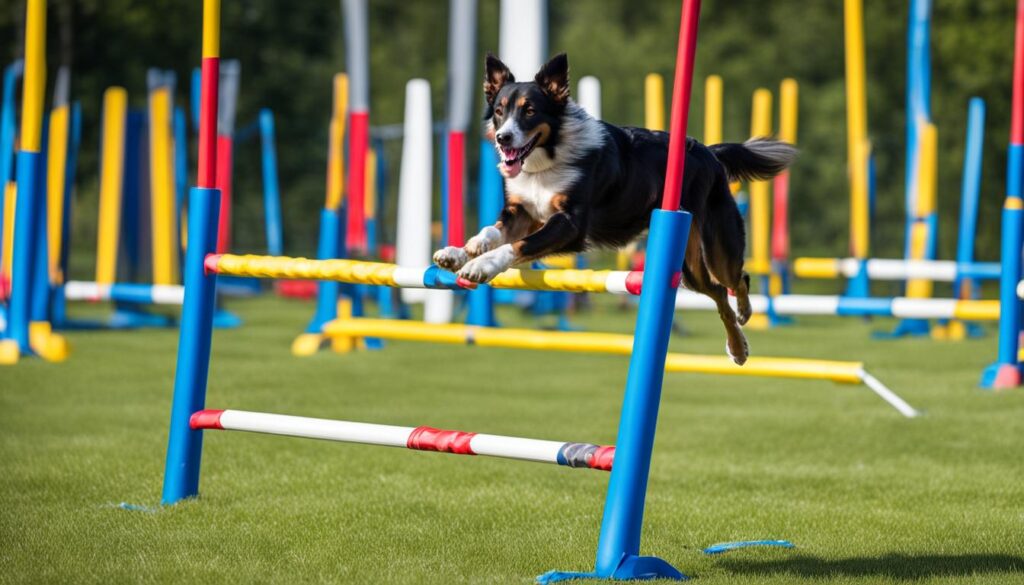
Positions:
{"x": 503, "y": 138}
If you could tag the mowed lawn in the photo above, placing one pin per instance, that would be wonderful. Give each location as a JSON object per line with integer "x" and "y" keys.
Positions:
{"x": 866, "y": 495}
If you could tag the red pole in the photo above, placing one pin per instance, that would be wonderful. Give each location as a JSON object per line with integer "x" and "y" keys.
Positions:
{"x": 359, "y": 140}
{"x": 681, "y": 106}
{"x": 456, "y": 166}
{"x": 208, "y": 123}
{"x": 224, "y": 154}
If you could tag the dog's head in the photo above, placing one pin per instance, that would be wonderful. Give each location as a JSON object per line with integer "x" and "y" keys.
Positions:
{"x": 525, "y": 116}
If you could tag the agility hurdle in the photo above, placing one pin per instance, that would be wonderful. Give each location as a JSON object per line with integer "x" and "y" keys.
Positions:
{"x": 843, "y": 372}
{"x": 619, "y": 543}
{"x": 578, "y": 455}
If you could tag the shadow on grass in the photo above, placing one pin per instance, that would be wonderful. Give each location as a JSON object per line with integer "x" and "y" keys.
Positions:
{"x": 893, "y": 566}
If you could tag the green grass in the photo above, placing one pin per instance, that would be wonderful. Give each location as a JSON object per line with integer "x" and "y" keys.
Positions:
{"x": 867, "y": 496}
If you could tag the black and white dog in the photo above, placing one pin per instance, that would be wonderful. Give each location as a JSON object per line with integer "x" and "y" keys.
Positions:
{"x": 572, "y": 181}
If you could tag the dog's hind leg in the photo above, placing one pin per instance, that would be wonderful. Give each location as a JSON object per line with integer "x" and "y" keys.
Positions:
{"x": 697, "y": 277}
{"x": 723, "y": 242}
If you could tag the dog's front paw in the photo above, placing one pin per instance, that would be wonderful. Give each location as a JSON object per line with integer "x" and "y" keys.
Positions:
{"x": 451, "y": 258}
{"x": 484, "y": 268}
{"x": 483, "y": 242}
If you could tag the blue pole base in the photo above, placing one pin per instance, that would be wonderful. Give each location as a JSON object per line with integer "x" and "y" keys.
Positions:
{"x": 632, "y": 568}
{"x": 907, "y": 328}
{"x": 224, "y": 319}
{"x": 860, "y": 285}
{"x": 132, "y": 318}
{"x": 1001, "y": 377}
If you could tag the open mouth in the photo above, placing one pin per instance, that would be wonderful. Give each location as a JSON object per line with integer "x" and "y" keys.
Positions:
{"x": 512, "y": 158}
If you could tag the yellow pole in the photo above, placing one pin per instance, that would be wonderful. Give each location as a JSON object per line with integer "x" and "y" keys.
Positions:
{"x": 34, "y": 81}
{"x": 927, "y": 182}
{"x": 713, "y": 110}
{"x": 161, "y": 181}
{"x": 788, "y": 97}
{"x": 336, "y": 148}
{"x": 115, "y": 113}
{"x": 7, "y": 251}
{"x": 858, "y": 147}
{"x": 56, "y": 161}
{"x": 760, "y": 191}
{"x": 654, "y": 102}
{"x": 370, "y": 205}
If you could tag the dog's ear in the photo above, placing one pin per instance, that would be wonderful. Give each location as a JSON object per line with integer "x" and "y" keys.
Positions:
{"x": 496, "y": 75}
{"x": 553, "y": 78}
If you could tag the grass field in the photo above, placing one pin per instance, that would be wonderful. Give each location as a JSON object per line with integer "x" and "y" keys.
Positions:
{"x": 866, "y": 495}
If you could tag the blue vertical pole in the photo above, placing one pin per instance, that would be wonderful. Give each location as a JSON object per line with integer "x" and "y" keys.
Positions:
{"x": 184, "y": 448}
{"x": 918, "y": 101}
{"x": 180, "y": 165}
{"x": 624, "y": 506}
{"x": 195, "y": 95}
{"x": 8, "y": 121}
{"x": 491, "y": 200}
{"x": 40, "y": 309}
{"x": 330, "y": 246}
{"x": 970, "y": 193}
{"x": 271, "y": 186}
{"x": 24, "y": 257}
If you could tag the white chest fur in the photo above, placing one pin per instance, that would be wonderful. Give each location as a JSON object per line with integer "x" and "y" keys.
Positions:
{"x": 536, "y": 190}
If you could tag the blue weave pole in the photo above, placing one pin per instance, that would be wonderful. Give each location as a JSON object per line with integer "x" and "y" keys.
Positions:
{"x": 23, "y": 260}
{"x": 491, "y": 200}
{"x": 184, "y": 445}
{"x": 271, "y": 185}
{"x": 970, "y": 194}
{"x": 618, "y": 549}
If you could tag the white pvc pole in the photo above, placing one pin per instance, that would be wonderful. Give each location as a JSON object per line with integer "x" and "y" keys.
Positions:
{"x": 588, "y": 95}
{"x": 523, "y": 36}
{"x": 415, "y": 185}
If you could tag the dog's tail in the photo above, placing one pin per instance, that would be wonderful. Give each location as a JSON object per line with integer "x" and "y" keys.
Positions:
{"x": 757, "y": 159}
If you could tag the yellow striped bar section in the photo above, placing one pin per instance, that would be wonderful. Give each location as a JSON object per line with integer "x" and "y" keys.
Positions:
{"x": 606, "y": 343}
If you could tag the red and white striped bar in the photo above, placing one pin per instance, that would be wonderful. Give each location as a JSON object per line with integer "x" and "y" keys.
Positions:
{"x": 148, "y": 294}
{"x": 582, "y": 455}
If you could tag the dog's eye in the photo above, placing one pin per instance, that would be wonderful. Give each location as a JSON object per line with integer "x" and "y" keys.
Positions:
{"x": 499, "y": 112}
{"x": 530, "y": 111}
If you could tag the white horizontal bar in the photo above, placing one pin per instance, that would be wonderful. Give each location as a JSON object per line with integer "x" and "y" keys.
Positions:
{"x": 315, "y": 428}
{"x": 516, "y": 448}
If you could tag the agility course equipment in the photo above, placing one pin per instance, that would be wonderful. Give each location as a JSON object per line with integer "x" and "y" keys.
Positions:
{"x": 139, "y": 240}
{"x": 1006, "y": 371}
{"x": 423, "y": 438}
{"x": 28, "y": 330}
{"x": 610, "y": 343}
{"x": 619, "y": 544}
{"x": 357, "y": 64}
{"x": 919, "y": 268}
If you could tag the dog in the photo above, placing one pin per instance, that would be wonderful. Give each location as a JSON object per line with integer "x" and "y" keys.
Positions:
{"x": 574, "y": 182}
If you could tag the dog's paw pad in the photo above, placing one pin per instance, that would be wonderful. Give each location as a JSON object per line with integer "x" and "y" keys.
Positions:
{"x": 451, "y": 258}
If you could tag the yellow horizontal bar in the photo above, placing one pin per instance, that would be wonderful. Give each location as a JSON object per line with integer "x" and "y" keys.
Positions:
{"x": 816, "y": 268}
{"x": 608, "y": 343}
{"x": 977, "y": 310}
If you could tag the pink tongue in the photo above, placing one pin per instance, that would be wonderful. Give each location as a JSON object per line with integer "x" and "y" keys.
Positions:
{"x": 512, "y": 170}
